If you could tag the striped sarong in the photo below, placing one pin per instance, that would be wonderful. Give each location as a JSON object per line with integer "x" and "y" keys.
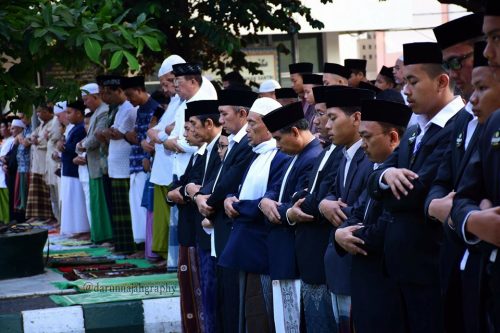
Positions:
{"x": 21, "y": 191}
{"x": 161, "y": 221}
{"x": 4, "y": 206}
{"x": 188, "y": 274}
{"x": 100, "y": 229}
{"x": 120, "y": 216}
{"x": 38, "y": 204}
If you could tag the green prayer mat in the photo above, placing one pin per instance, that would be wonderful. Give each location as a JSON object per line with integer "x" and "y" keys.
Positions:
{"x": 91, "y": 251}
{"x": 128, "y": 281}
{"x": 118, "y": 289}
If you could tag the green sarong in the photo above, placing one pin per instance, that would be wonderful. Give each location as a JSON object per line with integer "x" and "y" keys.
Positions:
{"x": 4, "y": 205}
{"x": 100, "y": 229}
{"x": 161, "y": 221}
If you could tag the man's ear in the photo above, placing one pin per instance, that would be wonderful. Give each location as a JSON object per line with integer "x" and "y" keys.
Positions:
{"x": 443, "y": 81}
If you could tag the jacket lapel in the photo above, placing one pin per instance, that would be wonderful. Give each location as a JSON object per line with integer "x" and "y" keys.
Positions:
{"x": 352, "y": 169}
{"x": 467, "y": 154}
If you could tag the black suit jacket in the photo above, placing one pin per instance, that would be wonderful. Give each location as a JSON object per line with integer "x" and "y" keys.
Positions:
{"x": 214, "y": 162}
{"x": 482, "y": 181}
{"x": 311, "y": 238}
{"x": 412, "y": 241}
{"x": 281, "y": 237}
{"x": 448, "y": 176}
{"x": 338, "y": 268}
{"x": 235, "y": 163}
{"x": 186, "y": 229}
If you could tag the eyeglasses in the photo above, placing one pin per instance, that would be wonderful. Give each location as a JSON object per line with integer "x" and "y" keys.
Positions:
{"x": 455, "y": 63}
{"x": 221, "y": 146}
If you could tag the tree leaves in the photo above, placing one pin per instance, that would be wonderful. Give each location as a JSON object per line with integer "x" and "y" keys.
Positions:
{"x": 116, "y": 60}
{"x": 92, "y": 49}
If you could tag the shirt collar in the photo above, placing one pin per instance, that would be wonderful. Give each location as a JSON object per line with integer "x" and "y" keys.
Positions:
{"x": 238, "y": 136}
{"x": 349, "y": 153}
{"x": 468, "y": 108}
{"x": 211, "y": 145}
{"x": 201, "y": 150}
{"x": 442, "y": 117}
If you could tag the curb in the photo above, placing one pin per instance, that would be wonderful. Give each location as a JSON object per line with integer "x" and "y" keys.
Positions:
{"x": 151, "y": 315}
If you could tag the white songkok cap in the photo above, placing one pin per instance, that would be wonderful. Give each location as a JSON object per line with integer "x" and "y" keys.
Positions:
{"x": 60, "y": 107}
{"x": 269, "y": 86}
{"x": 87, "y": 111}
{"x": 167, "y": 64}
{"x": 18, "y": 123}
{"x": 264, "y": 105}
{"x": 90, "y": 89}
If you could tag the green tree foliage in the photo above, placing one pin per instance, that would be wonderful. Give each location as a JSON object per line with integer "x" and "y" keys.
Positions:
{"x": 75, "y": 34}
{"x": 121, "y": 36}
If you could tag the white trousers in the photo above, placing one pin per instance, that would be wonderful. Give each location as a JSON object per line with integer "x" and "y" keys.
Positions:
{"x": 83, "y": 175}
{"x": 137, "y": 212}
{"x": 74, "y": 218}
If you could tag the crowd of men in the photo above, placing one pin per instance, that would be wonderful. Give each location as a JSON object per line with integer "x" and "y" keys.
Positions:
{"x": 336, "y": 205}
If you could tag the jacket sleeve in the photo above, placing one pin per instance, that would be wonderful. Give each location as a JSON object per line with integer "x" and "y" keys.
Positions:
{"x": 91, "y": 142}
{"x": 231, "y": 179}
{"x": 421, "y": 186}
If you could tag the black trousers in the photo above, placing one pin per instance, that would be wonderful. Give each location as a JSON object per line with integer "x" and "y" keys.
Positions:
{"x": 228, "y": 300}
{"x": 422, "y": 307}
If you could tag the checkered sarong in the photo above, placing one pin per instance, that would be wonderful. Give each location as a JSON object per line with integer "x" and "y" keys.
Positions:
{"x": 38, "y": 205}
{"x": 120, "y": 216}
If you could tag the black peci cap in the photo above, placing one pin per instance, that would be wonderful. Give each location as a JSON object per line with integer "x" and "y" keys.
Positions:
{"x": 385, "y": 111}
{"x": 347, "y": 97}
{"x": 459, "y": 30}
{"x": 283, "y": 116}
{"x": 285, "y": 93}
{"x": 315, "y": 79}
{"x": 201, "y": 108}
{"x": 479, "y": 59}
{"x": 188, "y": 68}
{"x": 336, "y": 69}
{"x": 422, "y": 53}
{"x": 300, "y": 67}
{"x": 132, "y": 82}
{"x": 237, "y": 97}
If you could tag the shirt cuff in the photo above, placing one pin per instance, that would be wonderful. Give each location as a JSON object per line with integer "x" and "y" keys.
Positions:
{"x": 287, "y": 219}
{"x": 381, "y": 183}
{"x": 472, "y": 240}
{"x": 162, "y": 136}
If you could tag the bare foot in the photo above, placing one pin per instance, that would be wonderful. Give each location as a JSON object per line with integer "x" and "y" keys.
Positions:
{"x": 137, "y": 255}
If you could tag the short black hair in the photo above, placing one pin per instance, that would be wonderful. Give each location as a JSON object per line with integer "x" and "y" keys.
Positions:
{"x": 214, "y": 117}
{"x": 301, "y": 125}
{"x": 197, "y": 78}
{"x": 349, "y": 110}
{"x": 357, "y": 71}
{"x": 386, "y": 127}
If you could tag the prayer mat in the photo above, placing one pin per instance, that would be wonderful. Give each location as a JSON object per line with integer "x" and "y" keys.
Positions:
{"x": 120, "y": 216}
{"x": 101, "y": 274}
{"x": 66, "y": 269}
{"x": 100, "y": 285}
{"x": 38, "y": 204}
{"x": 129, "y": 294}
{"x": 69, "y": 271}
{"x": 79, "y": 261}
